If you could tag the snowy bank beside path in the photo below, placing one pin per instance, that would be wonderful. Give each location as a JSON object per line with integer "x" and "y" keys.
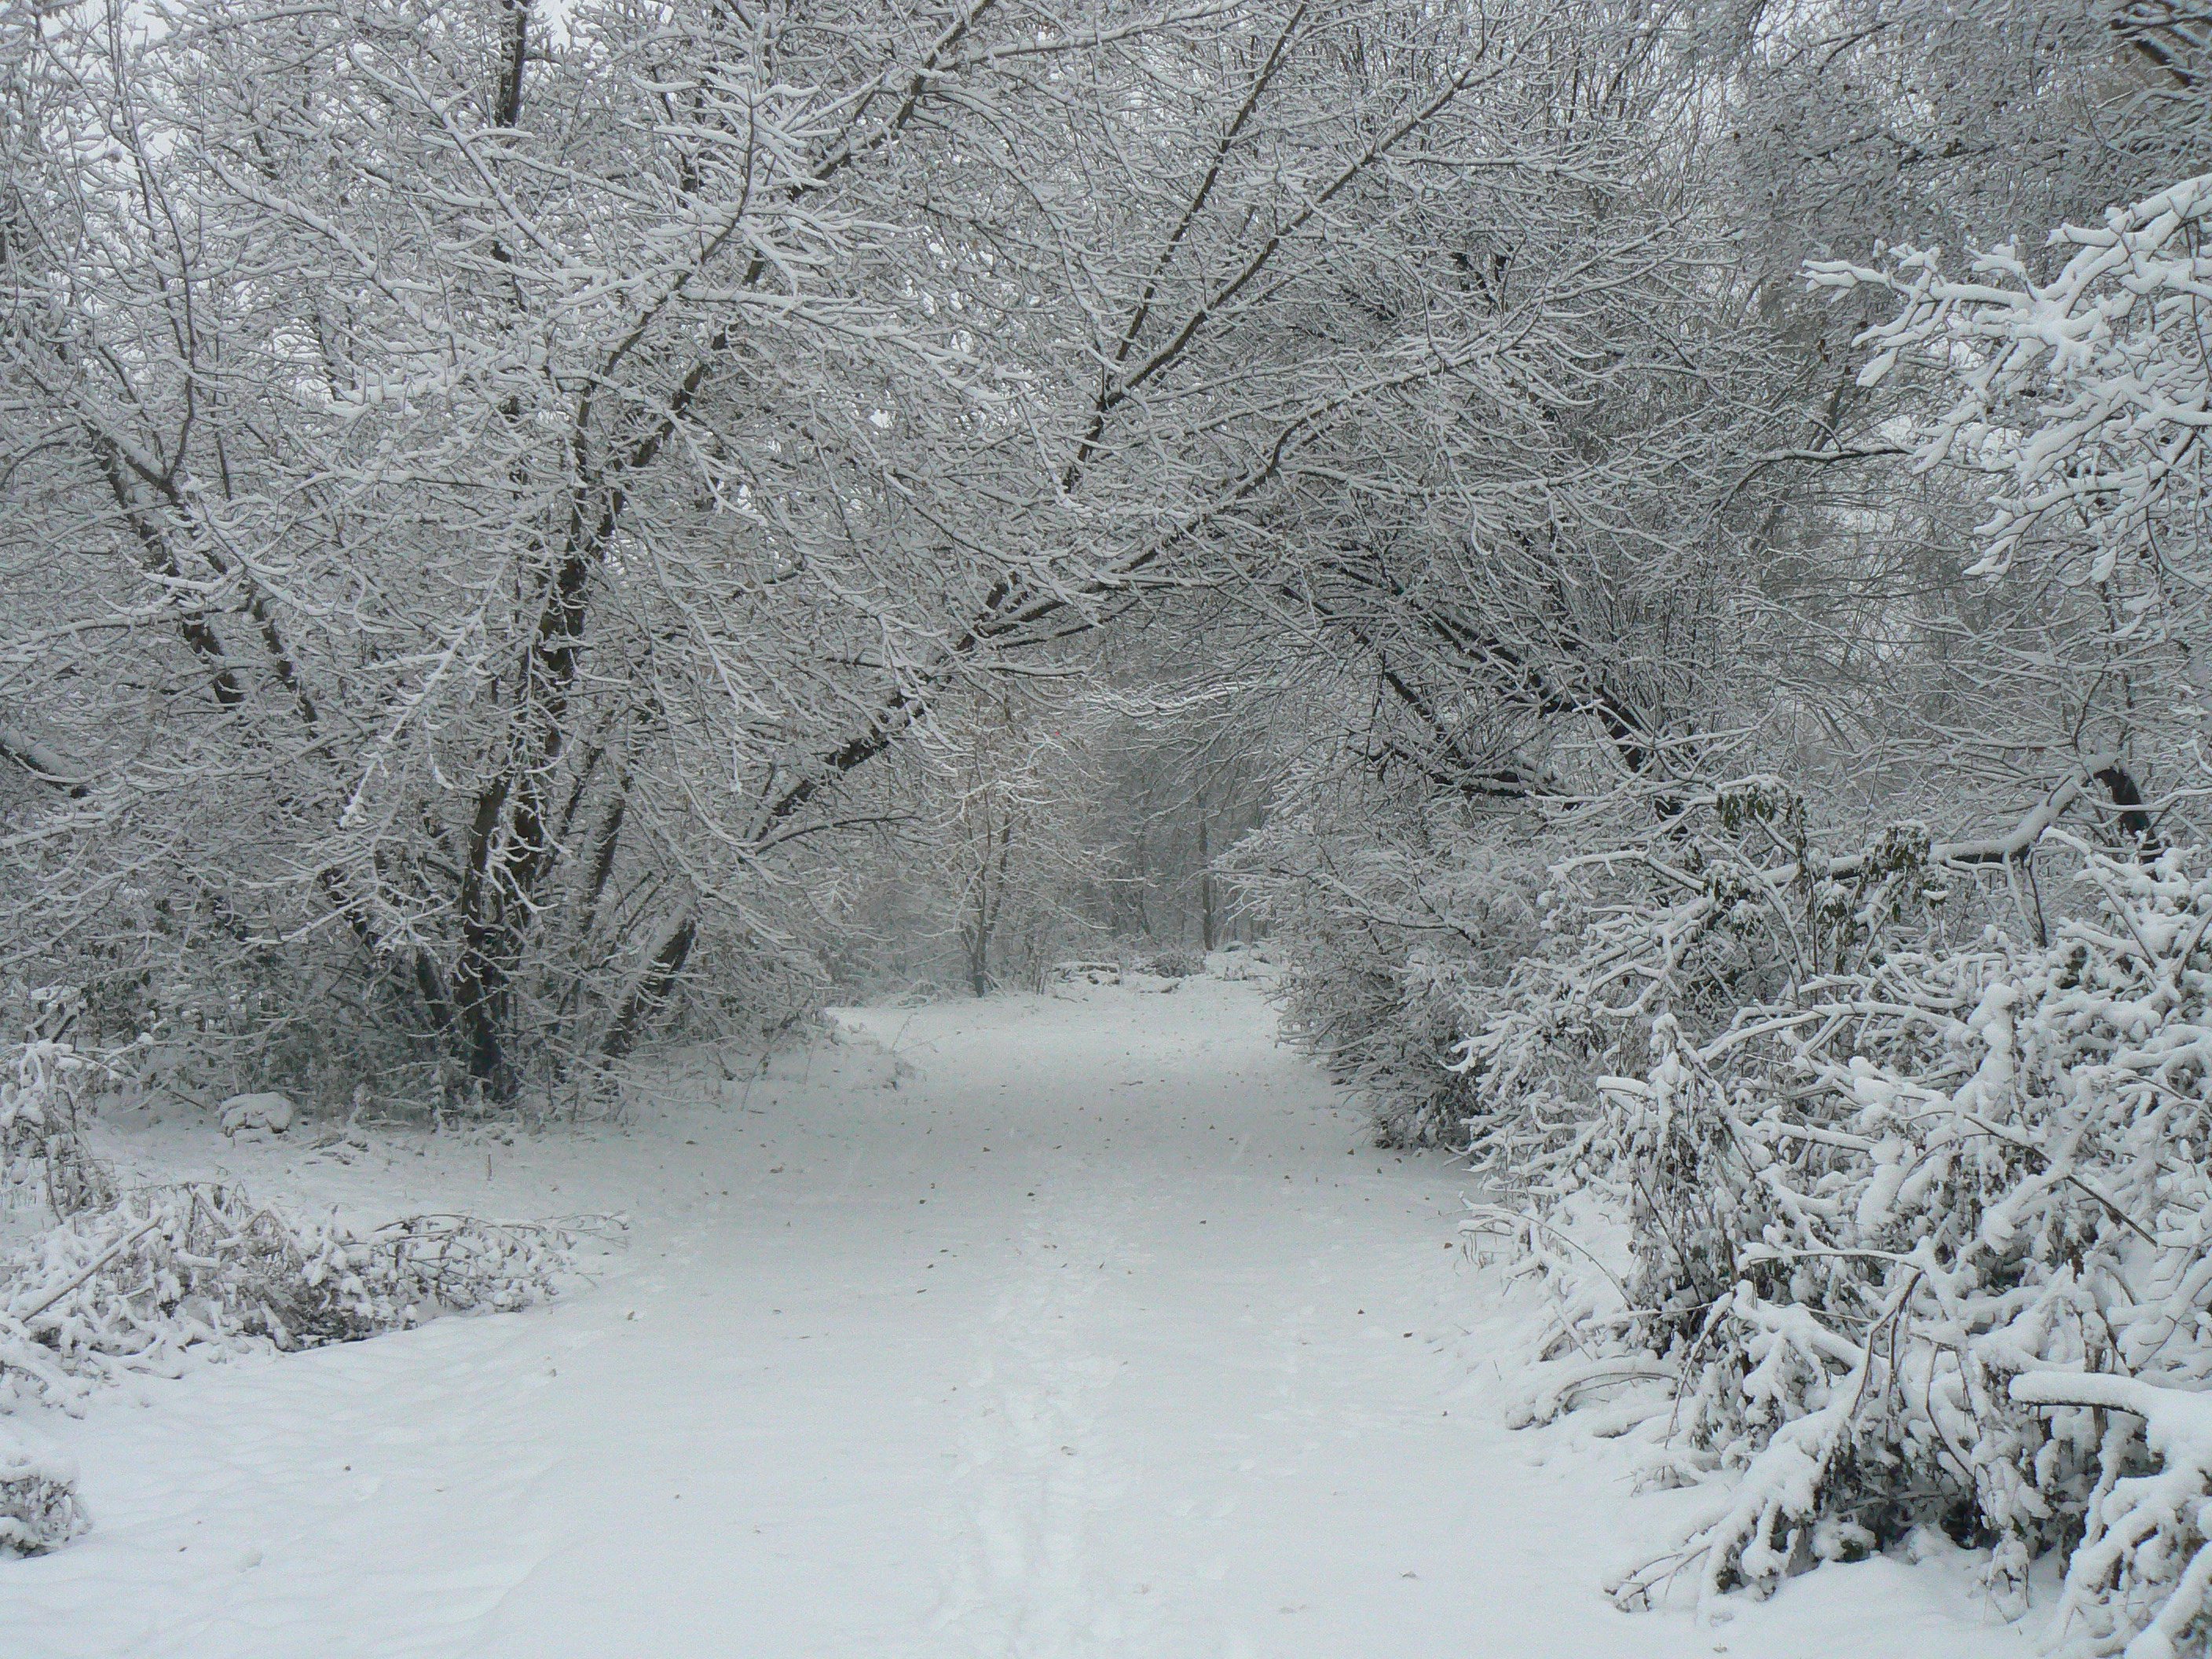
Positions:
{"x": 1100, "y": 1331}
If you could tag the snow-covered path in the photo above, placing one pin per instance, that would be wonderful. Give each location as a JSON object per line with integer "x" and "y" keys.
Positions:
{"x": 1104, "y": 1332}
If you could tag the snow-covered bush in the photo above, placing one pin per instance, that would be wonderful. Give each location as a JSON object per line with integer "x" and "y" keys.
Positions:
{"x": 39, "y": 1508}
{"x": 1921, "y": 1244}
{"x": 1894, "y": 1167}
{"x": 134, "y": 1285}
{"x": 135, "y": 1278}
{"x": 1384, "y": 950}
{"x": 42, "y": 1107}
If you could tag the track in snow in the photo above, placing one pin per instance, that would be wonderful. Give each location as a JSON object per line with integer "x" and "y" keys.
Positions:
{"x": 1104, "y": 1333}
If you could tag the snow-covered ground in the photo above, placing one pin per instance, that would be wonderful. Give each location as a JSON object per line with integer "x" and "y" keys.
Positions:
{"x": 1085, "y": 1326}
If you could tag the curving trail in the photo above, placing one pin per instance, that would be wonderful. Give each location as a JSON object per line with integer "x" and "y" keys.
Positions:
{"x": 1103, "y": 1333}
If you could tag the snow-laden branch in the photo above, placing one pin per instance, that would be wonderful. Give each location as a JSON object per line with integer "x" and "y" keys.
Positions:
{"x": 2089, "y": 395}
{"x": 41, "y": 762}
{"x": 2013, "y": 846}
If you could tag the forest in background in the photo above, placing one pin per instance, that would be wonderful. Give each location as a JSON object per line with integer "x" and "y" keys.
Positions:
{"x": 1656, "y": 547}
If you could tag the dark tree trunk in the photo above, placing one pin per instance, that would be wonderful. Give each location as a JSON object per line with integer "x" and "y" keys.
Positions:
{"x": 654, "y": 991}
{"x": 1207, "y": 923}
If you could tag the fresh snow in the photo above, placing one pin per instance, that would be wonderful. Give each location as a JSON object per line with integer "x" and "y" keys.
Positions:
{"x": 1078, "y": 1325}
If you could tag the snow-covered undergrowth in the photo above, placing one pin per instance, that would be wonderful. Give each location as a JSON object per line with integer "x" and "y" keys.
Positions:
{"x": 1880, "y": 1219}
{"x": 138, "y": 1279}
{"x": 39, "y": 1503}
{"x": 1387, "y": 954}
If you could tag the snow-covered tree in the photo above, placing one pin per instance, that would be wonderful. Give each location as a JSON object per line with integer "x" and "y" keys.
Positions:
{"x": 522, "y": 471}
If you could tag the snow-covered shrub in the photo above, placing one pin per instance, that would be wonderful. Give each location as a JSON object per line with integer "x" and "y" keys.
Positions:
{"x": 1921, "y": 1244}
{"x": 132, "y": 1278}
{"x": 1461, "y": 978}
{"x": 1890, "y": 1166}
{"x": 42, "y": 1084}
{"x": 1385, "y": 952}
{"x": 40, "y": 1510}
{"x": 134, "y": 1285}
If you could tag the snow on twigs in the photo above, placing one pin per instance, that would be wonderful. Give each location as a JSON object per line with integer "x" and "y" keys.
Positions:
{"x": 2089, "y": 395}
{"x": 38, "y": 1505}
{"x": 1927, "y": 1244}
